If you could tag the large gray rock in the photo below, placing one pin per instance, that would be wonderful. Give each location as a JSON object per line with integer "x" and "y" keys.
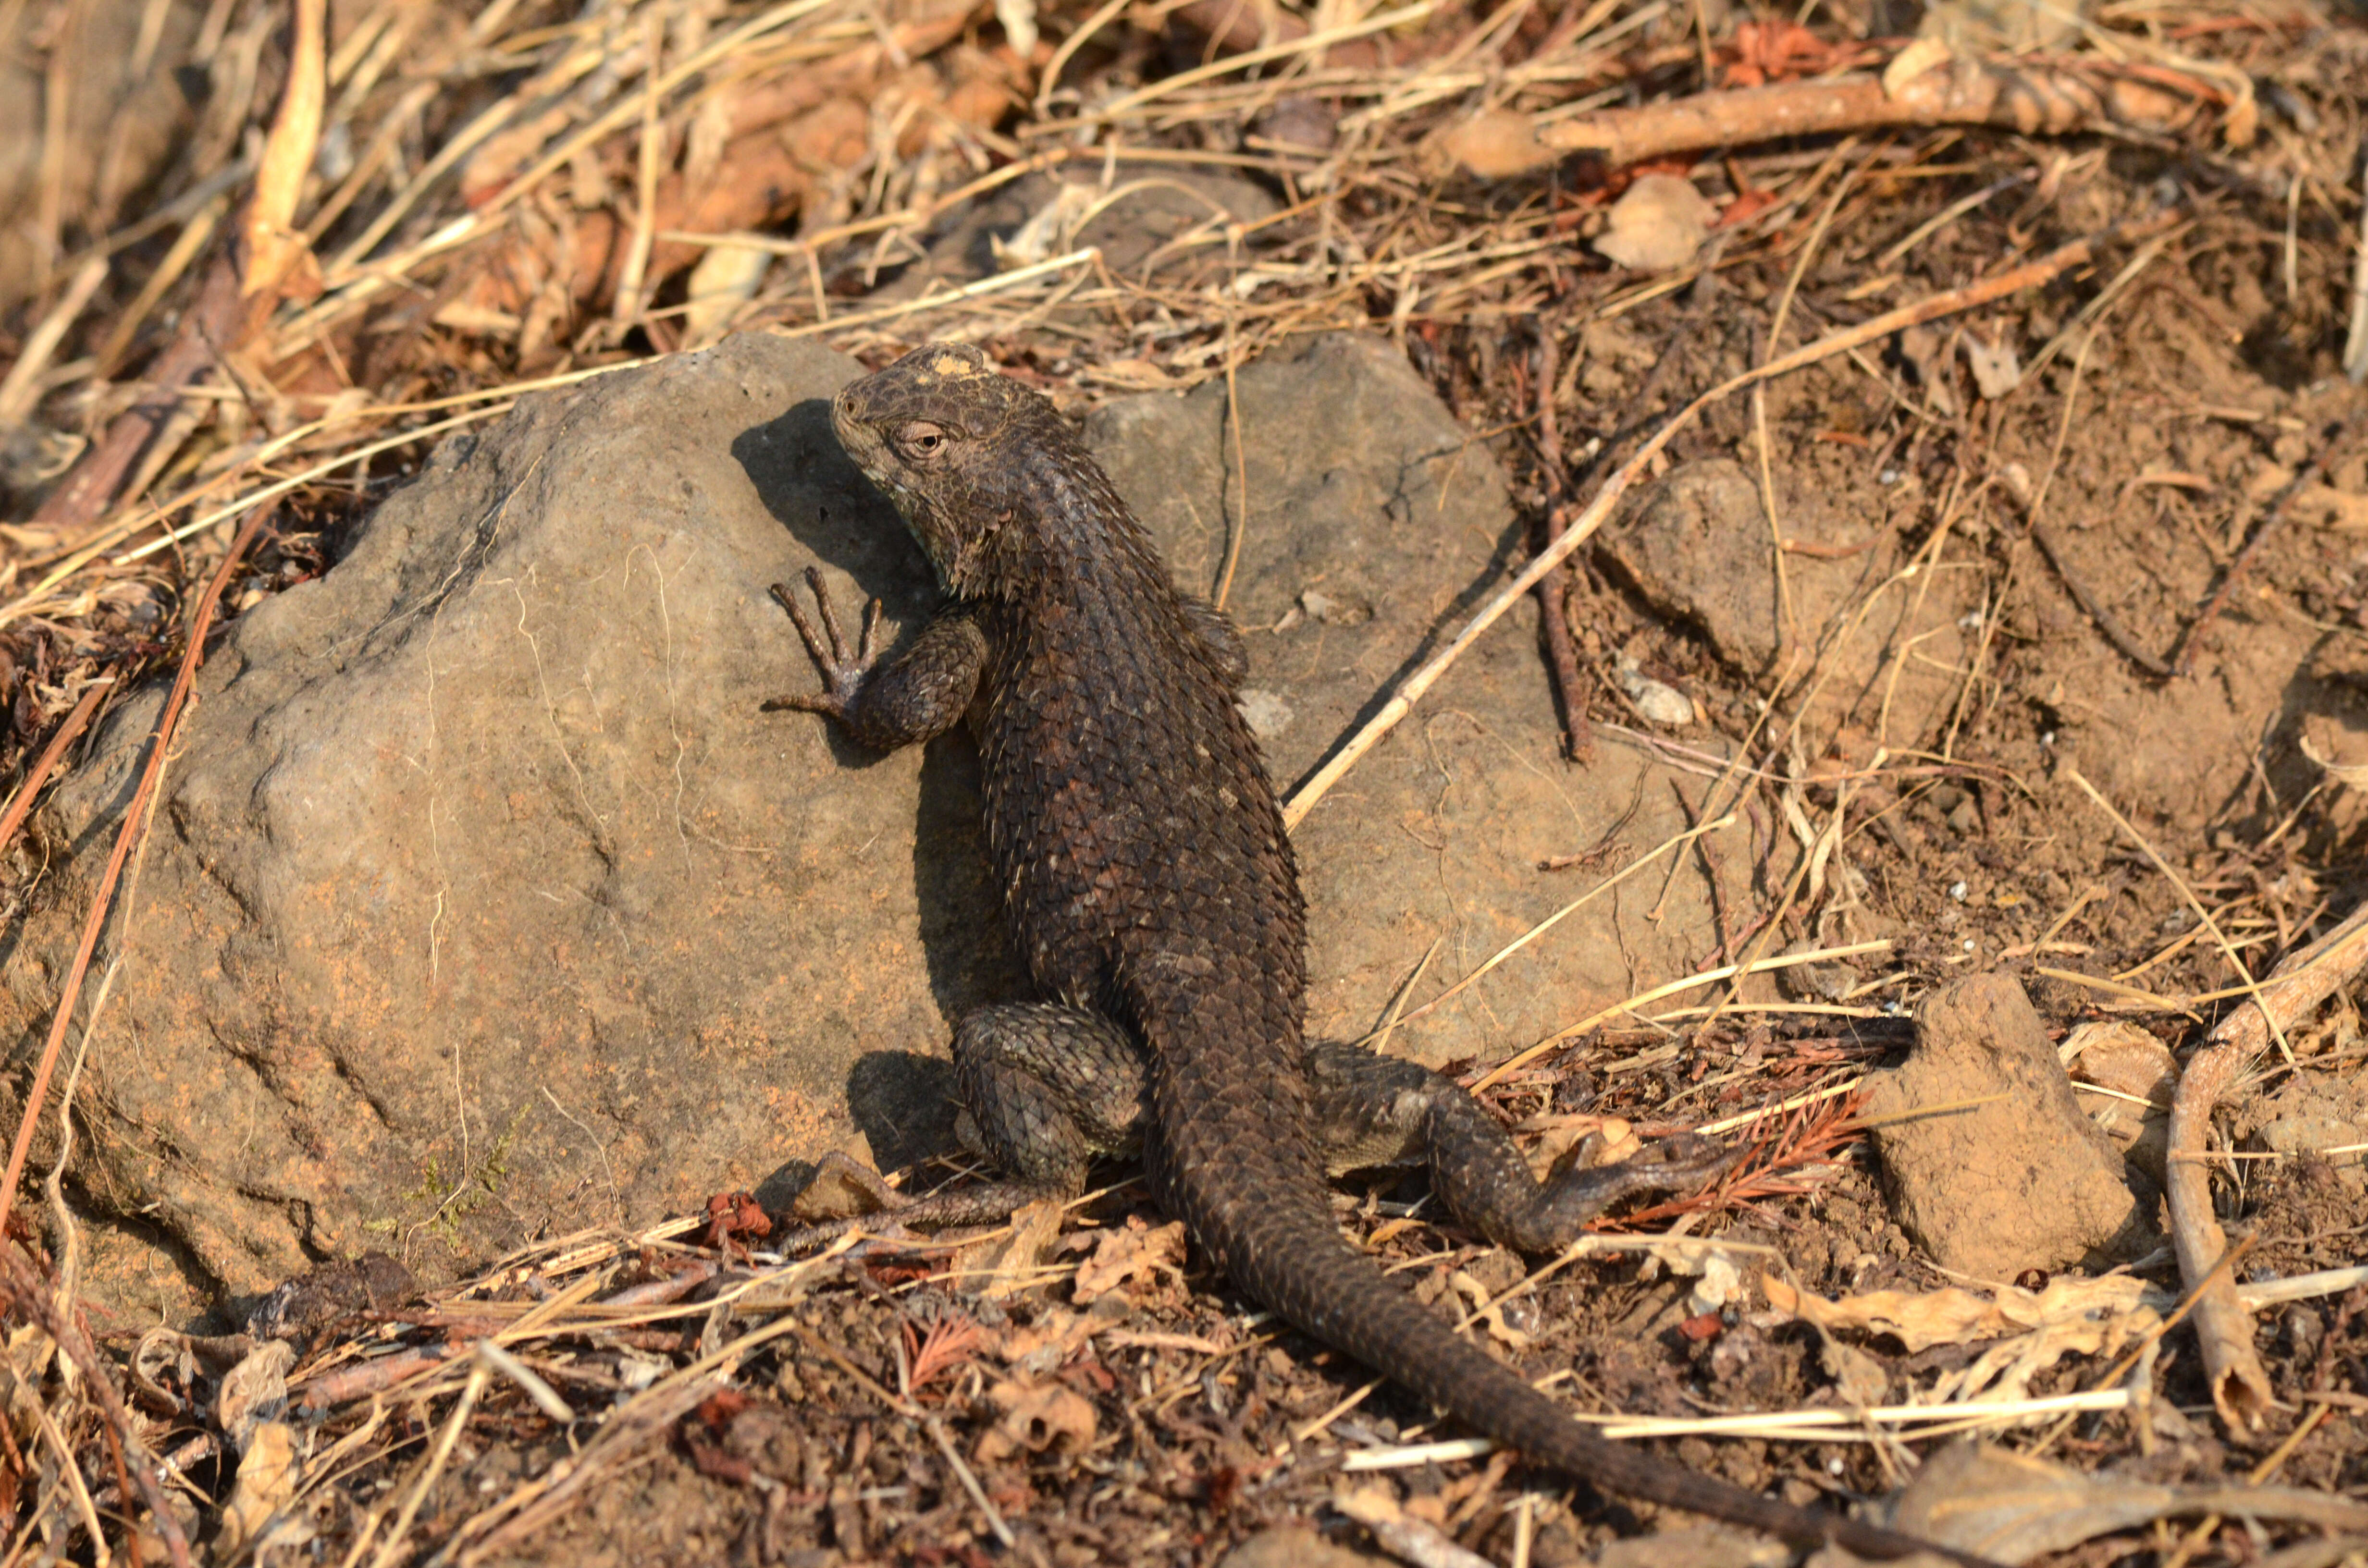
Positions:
{"x": 1375, "y": 526}
{"x": 484, "y": 897}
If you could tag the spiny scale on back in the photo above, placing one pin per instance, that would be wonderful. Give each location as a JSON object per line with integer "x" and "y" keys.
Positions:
{"x": 1129, "y": 816}
{"x": 1147, "y": 874}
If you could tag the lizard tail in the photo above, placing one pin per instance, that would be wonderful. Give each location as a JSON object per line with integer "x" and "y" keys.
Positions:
{"x": 1299, "y": 1264}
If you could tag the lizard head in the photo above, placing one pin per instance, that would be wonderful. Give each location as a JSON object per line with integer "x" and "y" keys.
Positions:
{"x": 957, "y": 448}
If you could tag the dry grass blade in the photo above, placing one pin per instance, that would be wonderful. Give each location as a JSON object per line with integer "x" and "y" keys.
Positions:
{"x": 389, "y": 224}
{"x": 29, "y": 787}
{"x": 32, "y": 1297}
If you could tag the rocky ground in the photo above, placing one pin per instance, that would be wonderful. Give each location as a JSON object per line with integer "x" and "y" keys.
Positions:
{"x": 1993, "y": 691}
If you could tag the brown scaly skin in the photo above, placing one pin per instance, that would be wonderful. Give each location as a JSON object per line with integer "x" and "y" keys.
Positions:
{"x": 1156, "y": 901}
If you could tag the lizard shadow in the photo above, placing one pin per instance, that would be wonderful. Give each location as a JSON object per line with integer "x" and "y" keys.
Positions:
{"x": 902, "y": 1100}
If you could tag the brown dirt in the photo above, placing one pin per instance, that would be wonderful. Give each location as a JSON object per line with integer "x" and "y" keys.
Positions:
{"x": 2149, "y": 448}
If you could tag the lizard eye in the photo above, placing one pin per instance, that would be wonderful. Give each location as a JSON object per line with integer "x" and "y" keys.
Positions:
{"x": 920, "y": 440}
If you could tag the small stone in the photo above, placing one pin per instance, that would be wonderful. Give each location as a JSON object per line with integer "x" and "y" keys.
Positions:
{"x": 1696, "y": 545}
{"x": 1657, "y": 224}
{"x": 2022, "y": 1180}
{"x": 1657, "y": 702}
{"x": 1266, "y": 714}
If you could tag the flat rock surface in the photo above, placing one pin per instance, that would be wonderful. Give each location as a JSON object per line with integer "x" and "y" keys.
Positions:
{"x": 483, "y": 895}
{"x": 484, "y": 898}
{"x": 2004, "y": 1173}
{"x": 1375, "y": 526}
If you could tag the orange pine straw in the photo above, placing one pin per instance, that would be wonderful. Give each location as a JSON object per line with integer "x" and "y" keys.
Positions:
{"x": 124, "y": 838}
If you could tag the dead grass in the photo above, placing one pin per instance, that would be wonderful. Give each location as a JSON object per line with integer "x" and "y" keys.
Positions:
{"x": 391, "y": 222}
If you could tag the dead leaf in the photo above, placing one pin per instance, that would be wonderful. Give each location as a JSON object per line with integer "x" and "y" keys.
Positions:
{"x": 1019, "y": 19}
{"x": 2335, "y": 508}
{"x": 1041, "y": 1347}
{"x": 840, "y": 1188}
{"x": 1037, "y": 1417}
{"x": 1717, "y": 1274}
{"x": 1658, "y": 226}
{"x": 1857, "y": 1377}
{"x": 2084, "y": 1317}
{"x": 724, "y": 279}
{"x": 2140, "y": 1074}
{"x": 1911, "y": 62}
{"x": 1956, "y": 1316}
{"x": 2350, "y": 775}
{"x": 1996, "y": 371}
{"x": 1134, "y": 1252}
{"x": 1008, "y": 1262}
{"x": 276, "y": 254}
{"x": 267, "y": 1484}
{"x": 21, "y": 1370}
{"x": 1491, "y": 1312}
{"x": 1496, "y": 144}
{"x": 255, "y": 1391}
{"x": 2011, "y": 1508}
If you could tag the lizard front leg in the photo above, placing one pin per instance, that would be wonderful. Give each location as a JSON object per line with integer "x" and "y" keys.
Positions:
{"x": 919, "y": 695}
{"x": 1372, "y": 1109}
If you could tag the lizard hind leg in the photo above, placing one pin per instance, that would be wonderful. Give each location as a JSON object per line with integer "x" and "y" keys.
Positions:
{"x": 1045, "y": 1089}
{"x": 1375, "y": 1109}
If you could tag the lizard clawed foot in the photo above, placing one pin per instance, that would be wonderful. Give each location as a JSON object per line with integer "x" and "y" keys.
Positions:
{"x": 841, "y": 1195}
{"x": 842, "y": 673}
{"x": 1579, "y": 1190}
{"x": 1686, "y": 1158}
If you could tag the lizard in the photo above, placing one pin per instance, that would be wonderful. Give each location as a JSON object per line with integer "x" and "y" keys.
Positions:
{"x": 1151, "y": 892}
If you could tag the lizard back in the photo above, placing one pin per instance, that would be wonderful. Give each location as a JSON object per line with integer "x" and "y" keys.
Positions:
{"x": 1148, "y": 878}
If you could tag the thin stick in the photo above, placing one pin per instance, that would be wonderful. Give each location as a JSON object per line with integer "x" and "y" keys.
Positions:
{"x": 21, "y": 803}
{"x": 102, "y": 898}
{"x": 1553, "y": 589}
{"x": 2239, "y": 1384}
{"x": 2227, "y": 949}
{"x": 1950, "y": 302}
{"x": 2193, "y": 643}
{"x": 2094, "y": 609}
{"x": 936, "y": 1430}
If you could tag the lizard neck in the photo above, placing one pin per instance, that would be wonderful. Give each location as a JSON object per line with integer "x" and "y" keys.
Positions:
{"x": 1066, "y": 537}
